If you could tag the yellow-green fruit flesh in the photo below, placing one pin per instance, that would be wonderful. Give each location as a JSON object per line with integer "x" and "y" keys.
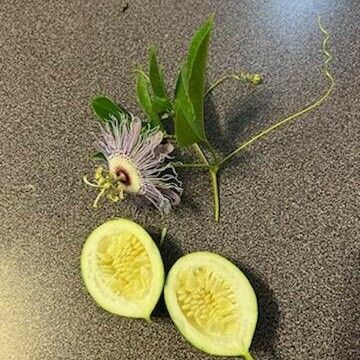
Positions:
{"x": 212, "y": 304}
{"x": 122, "y": 268}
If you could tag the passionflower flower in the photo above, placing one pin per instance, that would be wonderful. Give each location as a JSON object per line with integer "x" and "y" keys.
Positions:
{"x": 135, "y": 157}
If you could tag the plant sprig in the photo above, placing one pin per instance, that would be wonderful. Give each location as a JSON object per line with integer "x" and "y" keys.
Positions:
{"x": 186, "y": 109}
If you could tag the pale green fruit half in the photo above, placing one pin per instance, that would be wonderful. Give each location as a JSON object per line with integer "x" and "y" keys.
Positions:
{"x": 212, "y": 304}
{"x": 122, "y": 268}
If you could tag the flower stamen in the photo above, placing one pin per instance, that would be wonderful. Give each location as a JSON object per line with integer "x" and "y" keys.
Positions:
{"x": 98, "y": 198}
{"x": 87, "y": 182}
{"x": 108, "y": 185}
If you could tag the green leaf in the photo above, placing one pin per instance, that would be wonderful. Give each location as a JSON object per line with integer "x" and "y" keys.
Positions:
{"x": 195, "y": 70}
{"x": 98, "y": 156}
{"x": 156, "y": 76}
{"x": 186, "y": 131}
{"x": 145, "y": 99}
{"x": 160, "y": 105}
{"x": 105, "y": 108}
{"x": 190, "y": 90}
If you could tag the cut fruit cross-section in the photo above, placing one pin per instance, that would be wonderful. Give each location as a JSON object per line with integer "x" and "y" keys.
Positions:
{"x": 122, "y": 268}
{"x": 212, "y": 304}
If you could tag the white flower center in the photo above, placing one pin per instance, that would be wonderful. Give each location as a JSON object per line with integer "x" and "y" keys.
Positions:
{"x": 126, "y": 173}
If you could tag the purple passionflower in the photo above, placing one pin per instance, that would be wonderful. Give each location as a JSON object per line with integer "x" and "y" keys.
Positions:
{"x": 135, "y": 157}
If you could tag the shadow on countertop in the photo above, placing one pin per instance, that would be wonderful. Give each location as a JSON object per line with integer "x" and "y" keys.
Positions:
{"x": 241, "y": 114}
{"x": 265, "y": 336}
{"x": 170, "y": 253}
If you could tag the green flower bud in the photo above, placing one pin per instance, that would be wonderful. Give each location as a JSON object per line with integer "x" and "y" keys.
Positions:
{"x": 255, "y": 79}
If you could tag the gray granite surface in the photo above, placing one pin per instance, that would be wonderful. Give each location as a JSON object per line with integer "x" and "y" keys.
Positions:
{"x": 290, "y": 203}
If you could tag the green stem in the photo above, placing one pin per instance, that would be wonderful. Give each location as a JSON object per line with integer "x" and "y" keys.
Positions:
{"x": 218, "y": 82}
{"x": 212, "y": 152}
{"x": 201, "y": 154}
{"x": 196, "y": 166}
{"x": 254, "y": 79}
{"x": 213, "y": 170}
{"x": 163, "y": 235}
{"x": 308, "y": 108}
{"x": 215, "y": 190}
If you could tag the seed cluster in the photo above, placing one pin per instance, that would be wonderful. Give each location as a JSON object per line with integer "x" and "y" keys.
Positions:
{"x": 125, "y": 266}
{"x": 207, "y": 301}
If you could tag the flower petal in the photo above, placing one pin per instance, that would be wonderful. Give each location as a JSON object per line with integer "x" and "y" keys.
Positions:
{"x": 143, "y": 148}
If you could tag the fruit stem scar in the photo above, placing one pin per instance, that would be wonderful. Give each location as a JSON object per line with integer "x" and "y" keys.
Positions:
{"x": 248, "y": 356}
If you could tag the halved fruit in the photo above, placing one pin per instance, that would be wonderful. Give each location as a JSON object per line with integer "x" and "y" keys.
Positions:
{"x": 212, "y": 304}
{"x": 122, "y": 268}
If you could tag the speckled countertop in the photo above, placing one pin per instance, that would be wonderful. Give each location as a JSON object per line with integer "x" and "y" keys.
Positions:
{"x": 290, "y": 205}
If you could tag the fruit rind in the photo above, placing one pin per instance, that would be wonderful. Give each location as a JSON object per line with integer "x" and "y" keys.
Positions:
{"x": 119, "y": 305}
{"x": 213, "y": 344}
